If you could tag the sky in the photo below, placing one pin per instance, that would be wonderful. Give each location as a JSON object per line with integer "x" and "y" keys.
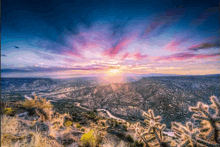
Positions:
{"x": 64, "y": 39}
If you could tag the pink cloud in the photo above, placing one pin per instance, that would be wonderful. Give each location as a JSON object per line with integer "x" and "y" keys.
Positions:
{"x": 166, "y": 19}
{"x": 201, "y": 56}
{"x": 113, "y": 51}
{"x": 125, "y": 56}
{"x": 75, "y": 54}
{"x": 69, "y": 60}
{"x": 138, "y": 56}
{"x": 186, "y": 55}
{"x": 153, "y": 25}
{"x": 172, "y": 46}
{"x": 205, "y": 45}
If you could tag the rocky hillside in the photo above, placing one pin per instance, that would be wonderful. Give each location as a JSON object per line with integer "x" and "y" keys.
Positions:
{"x": 168, "y": 96}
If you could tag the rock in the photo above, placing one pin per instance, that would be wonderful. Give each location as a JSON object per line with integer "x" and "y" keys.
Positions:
{"x": 41, "y": 126}
{"x": 22, "y": 114}
{"x": 65, "y": 141}
{"x": 75, "y": 144}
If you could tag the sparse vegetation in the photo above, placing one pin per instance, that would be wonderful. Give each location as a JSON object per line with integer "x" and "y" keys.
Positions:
{"x": 78, "y": 126}
{"x": 138, "y": 144}
{"x": 89, "y": 139}
{"x": 8, "y": 111}
{"x": 56, "y": 129}
{"x": 205, "y": 135}
{"x": 130, "y": 139}
{"x": 68, "y": 123}
{"x": 13, "y": 134}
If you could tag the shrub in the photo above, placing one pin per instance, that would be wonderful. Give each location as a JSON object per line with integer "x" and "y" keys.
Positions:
{"x": 125, "y": 127}
{"x": 129, "y": 138}
{"x": 8, "y": 111}
{"x": 40, "y": 106}
{"x": 88, "y": 139}
{"x": 109, "y": 131}
{"x": 138, "y": 144}
{"x": 78, "y": 126}
{"x": 121, "y": 135}
{"x": 83, "y": 130}
{"x": 40, "y": 103}
{"x": 103, "y": 124}
{"x": 68, "y": 123}
{"x": 91, "y": 115}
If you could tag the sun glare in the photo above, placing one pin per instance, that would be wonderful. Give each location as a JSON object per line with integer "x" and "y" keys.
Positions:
{"x": 113, "y": 75}
{"x": 114, "y": 71}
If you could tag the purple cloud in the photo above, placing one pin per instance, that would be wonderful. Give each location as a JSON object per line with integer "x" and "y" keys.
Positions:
{"x": 186, "y": 55}
{"x": 139, "y": 56}
{"x": 120, "y": 46}
{"x": 205, "y": 45}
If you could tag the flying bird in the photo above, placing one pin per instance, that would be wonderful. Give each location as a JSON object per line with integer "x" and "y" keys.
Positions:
{"x": 16, "y": 47}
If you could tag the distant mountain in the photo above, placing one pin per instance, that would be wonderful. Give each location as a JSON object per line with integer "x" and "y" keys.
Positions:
{"x": 17, "y": 84}
{"x": 169, "y": 97}
{"x": 157, "y": 75}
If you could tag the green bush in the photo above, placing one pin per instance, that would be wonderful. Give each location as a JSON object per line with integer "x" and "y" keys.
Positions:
{"x": 68, "y": 123}
{"x": 88, "y": 139}
{"x": 109, "y": 131}
{"x": 125, "y": 127}
{"x": 83, "y": 130}
{"x": 129, "y": 138}
{"x": 138, "y": 144}
{"x": 91, "y": 115}
{"x": 121, "y": 135}
{"x": 78, "y": 126}
{"x": 8, "y": 111}
{"x": 103, "y": 124}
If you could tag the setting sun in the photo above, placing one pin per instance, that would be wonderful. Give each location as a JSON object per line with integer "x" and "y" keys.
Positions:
{"x": 114, "y": 71}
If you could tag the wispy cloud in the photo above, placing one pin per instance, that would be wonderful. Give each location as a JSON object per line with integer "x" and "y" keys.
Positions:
{"x": 201, "y": 56}
{"x": 203, "y": 16}
{"x": 205, "y": 45}
{"x": 49, "y": 69}
{"x": 125, "y": 56}
{"x": 45, "y": 56}
{"x": 118, "y": 47}
{"x": 186, "y": 55}
{"x": 139, "y": 56}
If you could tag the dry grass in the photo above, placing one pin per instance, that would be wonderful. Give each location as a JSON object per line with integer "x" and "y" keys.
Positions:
{"x": 40, "y": 103}
{"x": 10, "y": 130}
{"x": 13, "y": 135}
{"x": 37, "y": 140}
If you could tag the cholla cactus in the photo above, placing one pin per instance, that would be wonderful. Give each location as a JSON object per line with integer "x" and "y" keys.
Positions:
{"x": 207, "y": 134}
{"x": 188, "y": 134}
{"x": 209, "y": 122}
{"x": 140, "y": 132}
{"x": 153, "y": 132}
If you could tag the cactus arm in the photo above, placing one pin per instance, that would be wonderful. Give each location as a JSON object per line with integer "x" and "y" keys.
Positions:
{"x": 201, "y": 141}
{"x": 185, "y": 144}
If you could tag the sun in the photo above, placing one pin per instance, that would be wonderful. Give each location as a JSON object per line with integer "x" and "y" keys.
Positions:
{"x": 113, "y": 76}
{"x": 113, "y": 72}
